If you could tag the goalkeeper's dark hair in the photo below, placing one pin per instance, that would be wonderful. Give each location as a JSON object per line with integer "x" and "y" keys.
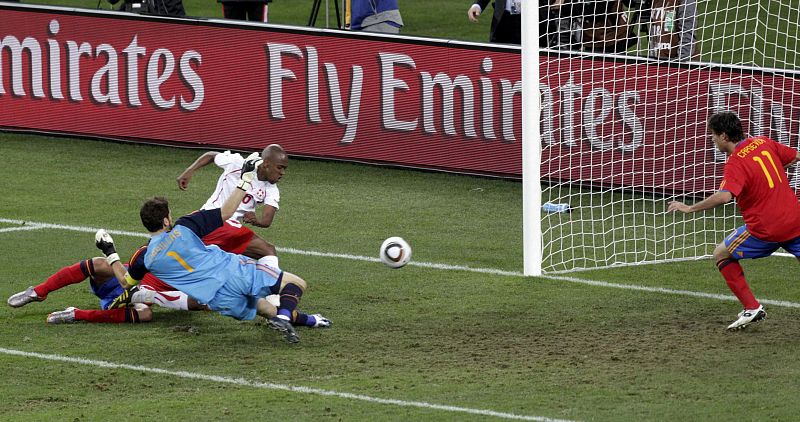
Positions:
{"x": 153, "y": 213}
{"x": 728, "y": 123}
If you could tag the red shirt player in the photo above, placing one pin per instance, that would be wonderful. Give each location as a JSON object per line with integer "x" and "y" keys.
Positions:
{"x": 755, "y": 175}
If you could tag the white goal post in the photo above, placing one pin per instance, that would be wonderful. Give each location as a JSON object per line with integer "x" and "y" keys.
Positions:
{"x": 614, "y": 106}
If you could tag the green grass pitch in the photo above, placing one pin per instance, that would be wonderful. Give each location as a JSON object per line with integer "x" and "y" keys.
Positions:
{"x": 418, "y": 343}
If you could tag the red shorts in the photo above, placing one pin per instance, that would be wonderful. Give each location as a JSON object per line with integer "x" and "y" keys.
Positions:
{"x": 232, "y": 237}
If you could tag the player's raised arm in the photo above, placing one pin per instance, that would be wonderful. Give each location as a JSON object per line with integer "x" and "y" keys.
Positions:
{"x": 202, "y": 161}
{"x": 105, "y": 243}
{"x": 249, "y": 169}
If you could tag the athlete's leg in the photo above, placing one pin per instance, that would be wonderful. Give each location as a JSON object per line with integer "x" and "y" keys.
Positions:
{"x": 134, "y": 314}
{"x": 259, "y": 248}
{"x": 94, "y": 268}
{"x": 733, "y": 274}
{"x": 268, "y": 309}
{"x": 153, "y": 291}
{"x": 291, "y": 290}
{"x": 740, "y": 244}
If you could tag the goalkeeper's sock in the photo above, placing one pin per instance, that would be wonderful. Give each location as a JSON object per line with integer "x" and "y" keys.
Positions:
{"x": 303, "y": 320}
{"x": 734, "y": 276}
{"x": 172, "y": 300}
{"x": 290, "y": 295}
{"x": 113, "y": 316}
{"x": 72, "y": 274}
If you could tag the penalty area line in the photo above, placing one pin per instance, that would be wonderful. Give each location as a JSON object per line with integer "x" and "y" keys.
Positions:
{"x": 20, "y": 228}
{"x": 448, "y": 267}
{"x": 273, "y": 386}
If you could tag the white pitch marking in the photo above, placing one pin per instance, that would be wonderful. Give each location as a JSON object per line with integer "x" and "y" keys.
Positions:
{"x": 20, "y": 228}
{"x": 83, "y": 229}
{"x": 272, "y": 386}
{"x": 491, "y": 271}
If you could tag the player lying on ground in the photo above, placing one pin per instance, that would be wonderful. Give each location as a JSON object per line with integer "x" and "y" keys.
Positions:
{"x": 755, "y": 175}
{"x": 134, "y": 295}
{"x": 233, "y": 236}
{"x": 106, "y": 287}
{"x": 230, "y": 284}
{"x": 118, "y": 305}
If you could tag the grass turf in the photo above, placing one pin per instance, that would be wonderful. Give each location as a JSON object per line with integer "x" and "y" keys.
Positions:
{"x": 524, "y": 346}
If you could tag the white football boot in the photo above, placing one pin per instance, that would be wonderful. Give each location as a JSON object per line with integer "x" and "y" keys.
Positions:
{"x": 748, "y": 316}
{"x": 23, "y": 298}
{"x": 62, "y": 317}
{"x": 322, "y": 322}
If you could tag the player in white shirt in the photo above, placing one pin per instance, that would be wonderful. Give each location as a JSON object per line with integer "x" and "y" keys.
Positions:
{"x": 233, "y": 236}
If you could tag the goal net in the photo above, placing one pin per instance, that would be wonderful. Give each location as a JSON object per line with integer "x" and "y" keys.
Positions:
{"x": 625, "y": 91}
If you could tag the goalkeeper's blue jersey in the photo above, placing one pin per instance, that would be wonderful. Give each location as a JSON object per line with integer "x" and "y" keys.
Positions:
{"x": 181, "y": 259}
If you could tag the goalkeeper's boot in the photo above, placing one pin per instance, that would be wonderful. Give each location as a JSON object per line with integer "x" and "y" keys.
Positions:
{"x": 66, "y": 316}
{"x": 747, "y": 317}
{"x": 284, "y": 327}
{"x": 321, "y": 321}
{"x": 23, "y": 298}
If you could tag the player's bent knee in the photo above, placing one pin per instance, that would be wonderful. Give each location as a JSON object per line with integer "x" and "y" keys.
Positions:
{"x": 270, "y": 249}
{"x": 291, "y": 278}
{"x": 266, "y": 309}
{"x": 258, "y": 248}
{"x": 100, "y": 269}
{"x": 721, "y": 252}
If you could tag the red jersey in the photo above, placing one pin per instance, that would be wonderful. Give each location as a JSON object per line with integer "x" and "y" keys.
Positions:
{"x": 755, "y": 175}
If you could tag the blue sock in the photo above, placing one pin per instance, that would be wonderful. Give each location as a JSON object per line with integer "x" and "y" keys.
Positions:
{"x": 290, "y": 295}
{"x": 304, "y": 320}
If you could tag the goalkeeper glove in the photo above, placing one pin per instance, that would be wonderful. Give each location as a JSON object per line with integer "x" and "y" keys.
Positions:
{"x": 105, "y": 243}
{"x": 249, "y": 170}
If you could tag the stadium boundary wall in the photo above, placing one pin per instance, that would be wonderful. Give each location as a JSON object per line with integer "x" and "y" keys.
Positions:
{"x": 405, "y": 101}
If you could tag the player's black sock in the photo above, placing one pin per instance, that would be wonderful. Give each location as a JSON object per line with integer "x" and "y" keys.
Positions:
{"x": 722, "y": 263}
{"x": 303, "y": 320}
{"x": 131, "y": 315}
{"x": 290, "y": 295}
{"x": 87, "y": 268}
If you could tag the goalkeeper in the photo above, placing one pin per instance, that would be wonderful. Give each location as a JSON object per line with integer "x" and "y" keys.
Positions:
{"x": 755, "y": 175}
{"x": 120, "y": 305}
{"x": 230, "y": 284}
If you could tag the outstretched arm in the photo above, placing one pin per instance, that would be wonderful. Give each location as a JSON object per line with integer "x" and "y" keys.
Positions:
{"x": 202, "y": 161}
{"x": 713, "y": 201}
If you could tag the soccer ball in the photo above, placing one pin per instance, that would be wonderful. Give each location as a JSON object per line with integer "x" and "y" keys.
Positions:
{"x": 395, "y": 252}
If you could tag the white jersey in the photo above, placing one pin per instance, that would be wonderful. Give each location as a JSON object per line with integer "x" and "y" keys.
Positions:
{"x": 261, "y": 192}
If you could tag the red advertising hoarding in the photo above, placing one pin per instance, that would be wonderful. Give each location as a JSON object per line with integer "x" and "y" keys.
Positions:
{"x": 396, "y": 100}
{"x": 642, "y": 125}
